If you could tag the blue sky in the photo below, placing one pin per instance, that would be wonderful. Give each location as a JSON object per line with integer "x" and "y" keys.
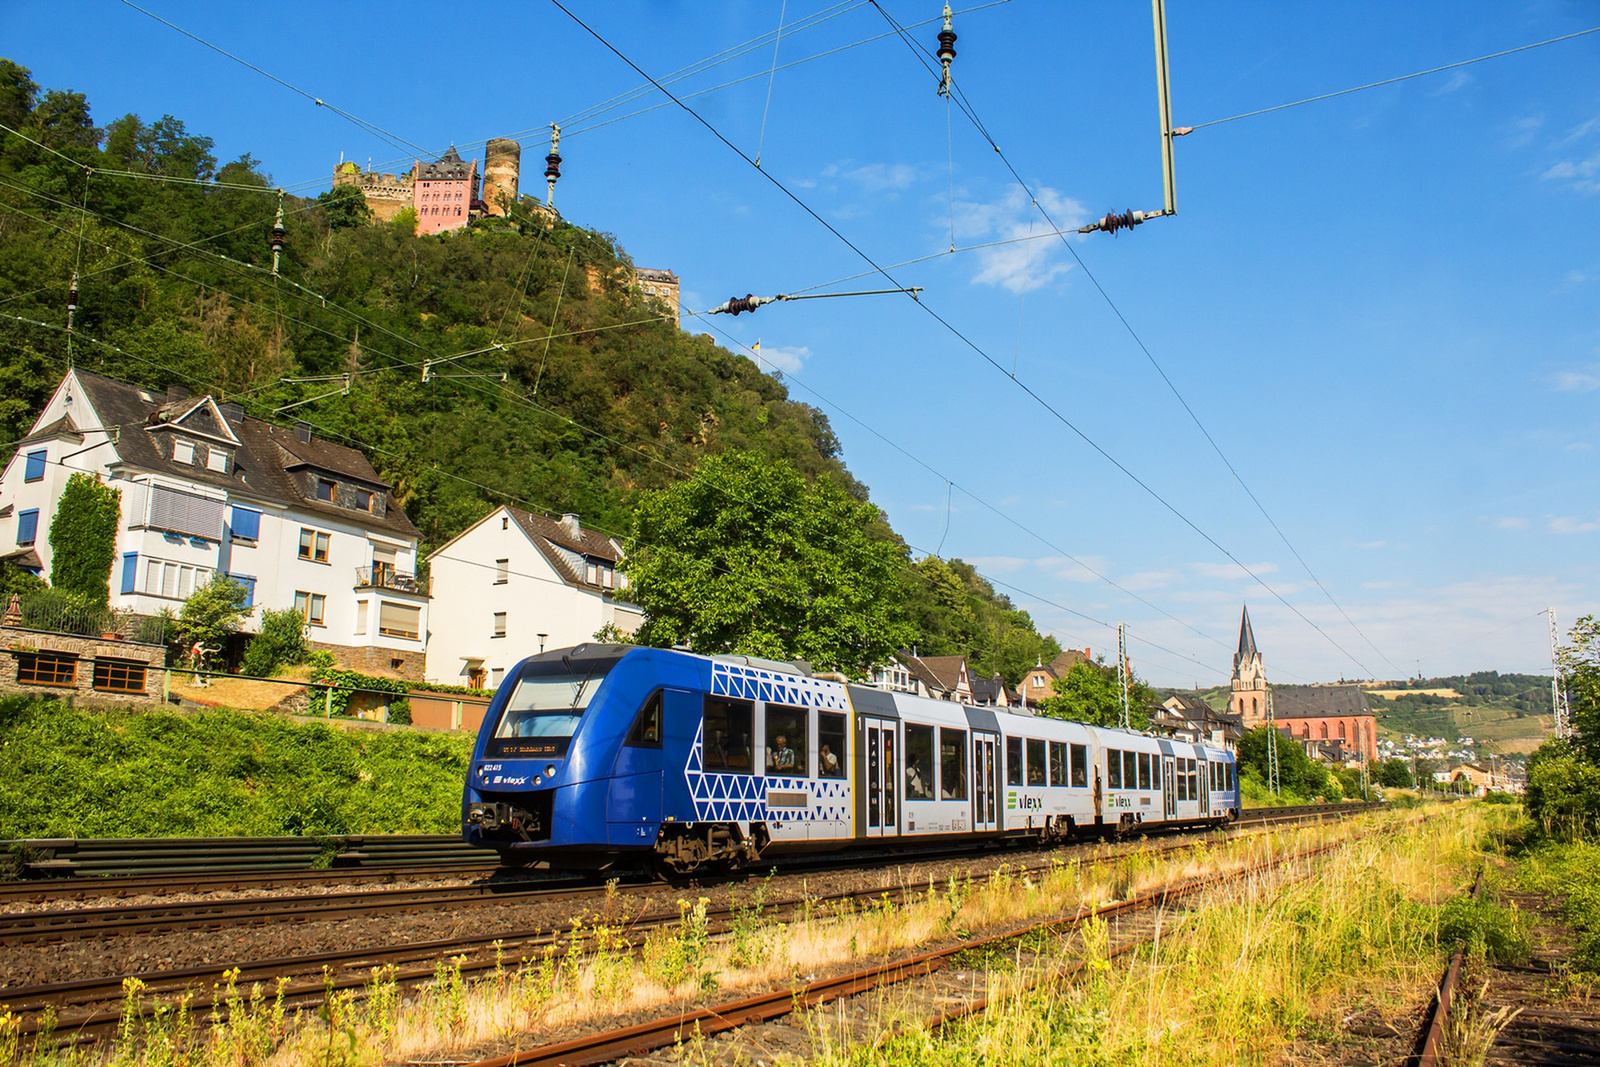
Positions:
{"x": 1383, "y": 307}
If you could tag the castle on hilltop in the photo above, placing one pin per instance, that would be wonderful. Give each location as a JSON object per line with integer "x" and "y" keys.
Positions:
{"x": 445, "y": 193}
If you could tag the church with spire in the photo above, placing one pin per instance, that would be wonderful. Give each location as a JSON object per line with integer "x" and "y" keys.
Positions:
{"x": 1333, "y": 722}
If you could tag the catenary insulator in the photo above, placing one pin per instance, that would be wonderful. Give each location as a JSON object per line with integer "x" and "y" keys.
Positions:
{"x": 72, "y": 293}
{"x": 946, "y": 52}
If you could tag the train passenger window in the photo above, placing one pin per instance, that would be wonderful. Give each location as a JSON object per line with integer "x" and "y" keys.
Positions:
{"x": 919, "y": 762}
{"x": 1080, "y": 766}
{"x": 786, "y": 741}
{"x": 952, "y": 763}
{"x": 1113, "y": 769}
{"x": 1183, "y": 782}
{"x": 1194, "y": 781}
{"x": 831, "y": 753}
{"x": 646, "y": 732}
{"x": 1230, "y": 776}
{"x": 726, "y": 729}
{"x": 1130, "y": 770}
{"x": 1035, "y": 762}
{"x": 1144, "y": 770}
{"x": 1155, "y": 771}
{"x": 1013, "y": 761}
{"x": 1058, "y": 763}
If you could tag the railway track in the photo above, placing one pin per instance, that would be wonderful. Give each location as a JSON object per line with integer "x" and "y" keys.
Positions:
{"x": 671, "y": 1030}
{"x": 86, "y": 1009}
{"x": 74, "y": 923}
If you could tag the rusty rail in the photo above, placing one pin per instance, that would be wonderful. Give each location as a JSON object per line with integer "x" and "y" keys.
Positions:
{"x": 1430, "y": 1051}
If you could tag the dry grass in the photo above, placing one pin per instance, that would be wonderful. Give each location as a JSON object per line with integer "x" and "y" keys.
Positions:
{"x": 243, "y": 694}
{"x": 1393, "y": 694}
{"x": 600, "y": 973}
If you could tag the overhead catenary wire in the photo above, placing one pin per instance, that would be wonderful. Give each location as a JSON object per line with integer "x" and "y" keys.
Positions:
{"x": 971, "y": 114}
{"x": 1394, "y": 80}
{"x": 961, "y": 336}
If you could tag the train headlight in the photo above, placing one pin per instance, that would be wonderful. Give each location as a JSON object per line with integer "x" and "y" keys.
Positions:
{"x": 550, "y": 771}
{"x": 537, "y": 780}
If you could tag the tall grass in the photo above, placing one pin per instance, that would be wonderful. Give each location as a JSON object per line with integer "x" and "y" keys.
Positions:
{"x": 1264, "y": 964}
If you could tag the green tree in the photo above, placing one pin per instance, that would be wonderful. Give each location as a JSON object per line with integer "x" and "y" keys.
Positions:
{"x": 747, "y": 557}
{"x": 1298, "y": 774}
{"x": 212, "y": 612}
{"x": 83, "y": 538}
{"x": 281, "y": 642}
{"x": 1091, "y": 693}
{"x": 1394, "y": 774}
{"x": 1563, "y": 792}
{"x": 1580, "y": 675}
{"x": 345, "y": 206}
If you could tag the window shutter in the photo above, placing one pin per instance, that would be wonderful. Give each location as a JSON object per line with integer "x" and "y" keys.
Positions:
{"x": 185, "y": 513}
{"x": 35, "y": 470}
{"x": 27, "y": 526}
{"x": 130, "y": 571}
{"x": 246, "y": 524}
{"x": 399, "y": 620}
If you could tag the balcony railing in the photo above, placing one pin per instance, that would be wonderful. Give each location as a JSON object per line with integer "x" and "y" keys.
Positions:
{"x": 54, "y": 612}
{"x": 381, "y": 577}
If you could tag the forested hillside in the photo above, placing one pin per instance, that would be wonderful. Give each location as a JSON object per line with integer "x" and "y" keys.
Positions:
{"x": 602, "y": 400}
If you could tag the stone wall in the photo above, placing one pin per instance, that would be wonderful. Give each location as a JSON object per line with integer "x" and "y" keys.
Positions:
{"x": 375, "y": 659}
{"x": 118, "y": 660}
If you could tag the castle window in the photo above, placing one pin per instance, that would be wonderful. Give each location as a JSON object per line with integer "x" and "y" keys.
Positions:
{"x": 1341, "y": 730}
{"x": 1324, "y": 731}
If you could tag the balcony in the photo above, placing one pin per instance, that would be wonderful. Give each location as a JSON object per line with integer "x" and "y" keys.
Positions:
{"x": 382, "y": 576}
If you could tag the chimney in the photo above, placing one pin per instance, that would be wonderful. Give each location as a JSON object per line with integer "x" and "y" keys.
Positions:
{"x": 569, "y": 523}
{"x": 302, "y": 430}
{"x": 232, "y": 410}
{"x": 176, "y": 393}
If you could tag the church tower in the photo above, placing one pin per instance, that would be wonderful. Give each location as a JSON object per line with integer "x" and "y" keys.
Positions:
{"x": 1249, "y": 698}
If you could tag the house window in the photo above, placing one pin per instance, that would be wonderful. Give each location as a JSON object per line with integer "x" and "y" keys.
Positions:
{"x": 606, "y": 576}
{"x": 363, "y": 499}
{"x": 505, "y": 523}
{"x": 312, "y": 606}
{"x": 361, "y": 617}
{"x": 502, "y": 571}
{"x": 313, "y": 545}
{"x": 496, "y": 676}
{"x": 326, "y": 490}
{"x": 130, "y": 571}
{"x": 46, "y": 668}
{"x": 244, "y": 524}
{"x": 248, "y": 584}
{"x": 499, "y": 624}
{"x": 217, "y": 460}
{"x": 591, "y": 572}
{"x": 27, "y": 526}
{"x": 399, "y": 620}
{"x": 182, "y": 451}
{"x": 119, "y": 676}
{"x": 34, "y": 472}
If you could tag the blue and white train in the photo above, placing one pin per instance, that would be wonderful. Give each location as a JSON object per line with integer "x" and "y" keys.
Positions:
{"x": 611, "y": 755}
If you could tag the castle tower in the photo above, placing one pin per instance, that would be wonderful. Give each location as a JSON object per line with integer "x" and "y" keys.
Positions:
{"x": 501, "y": 166}
{"x": 1249, "y": 698}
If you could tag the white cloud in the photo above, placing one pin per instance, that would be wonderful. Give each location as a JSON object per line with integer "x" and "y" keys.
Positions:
{"x": 1457, "y": 80}
{"x": 1582, "y": 174}
{"x": 1144, "y": 580}
{"x": 1024, "y": 265}
{"x": 1568, "y": 525}
{"x": 1511, "y": 522}
{"x": 1006, "y": 564}
{"x": 1522, "y": 130}
{"x": 1576, "y": 381}
{"x": 1365, "y": 544}
{"x": 1071, "y": 570}
{"x": 1581, "y": 130}
{"x": 877, "y": 177}
{"x": 1232, "y": 571}
{"x": 1384, "y": 585}
{"x": 1579, "y": 446}
{"x": 788, "y": 360}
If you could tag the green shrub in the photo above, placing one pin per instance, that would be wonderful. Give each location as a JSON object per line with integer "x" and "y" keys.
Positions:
{"x": 320, "y": 657}
{"x": 1490, "y": 929}
{"x": 83, "y": 538}
{"x": 1563, "y": 793}
{"x": 1567, "y": 869}
{"x": 73, "y": 773}
{"x": 400, "y": 711}
{"x": 280, "y": 643}
{"x": 347, "y": 681}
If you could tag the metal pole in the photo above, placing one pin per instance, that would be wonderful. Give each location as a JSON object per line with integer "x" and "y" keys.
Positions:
{"x": 1558, "y": 696}
{"x": 1158, "y": 10}
{"x": 1122, "y": 673}
{"x": 1273, "y": 775}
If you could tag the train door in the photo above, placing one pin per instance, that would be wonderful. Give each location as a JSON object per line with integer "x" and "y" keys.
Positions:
{"x": 984, "y": 815}
{"x": 878, "y": 780}
{"x": 1205, "y": 787}
{"x": 1169, "y": 793}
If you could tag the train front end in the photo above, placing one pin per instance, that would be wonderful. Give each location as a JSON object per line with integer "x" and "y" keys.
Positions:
{"x": 540, "y": 775}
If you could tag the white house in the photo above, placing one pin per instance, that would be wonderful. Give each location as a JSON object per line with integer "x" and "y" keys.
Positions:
{"x": 515, "y": 583}
{"x": 302, "y": 522}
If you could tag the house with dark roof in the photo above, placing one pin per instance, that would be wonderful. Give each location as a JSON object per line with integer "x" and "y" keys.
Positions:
{"x": 206, "y": 489}
{"x": 515, "y": 583}
{"x": 941, "y": 678}
{"x": 1187, "y": 717}
{"x": 1038, "y": 683}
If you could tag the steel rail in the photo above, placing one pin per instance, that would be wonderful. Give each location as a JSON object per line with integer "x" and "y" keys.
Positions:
{"x": 85, "y": 887}
{"x": 414, "y": 960}
{"x": 1429, "y": 1051}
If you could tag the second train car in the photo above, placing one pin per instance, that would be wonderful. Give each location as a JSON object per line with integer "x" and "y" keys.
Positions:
{"x": 606, "y": 755}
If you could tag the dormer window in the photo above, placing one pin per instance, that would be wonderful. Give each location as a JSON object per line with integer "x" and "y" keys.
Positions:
{"x": 363, "y": 499}
{"x": 327, "y": 490}
{"x": 182, "y": 451}
{"x": 591, "y": 573}
{"x": 217, "y": 460}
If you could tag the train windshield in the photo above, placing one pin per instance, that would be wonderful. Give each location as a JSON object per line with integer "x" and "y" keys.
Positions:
{"x": 546, "y": 703}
